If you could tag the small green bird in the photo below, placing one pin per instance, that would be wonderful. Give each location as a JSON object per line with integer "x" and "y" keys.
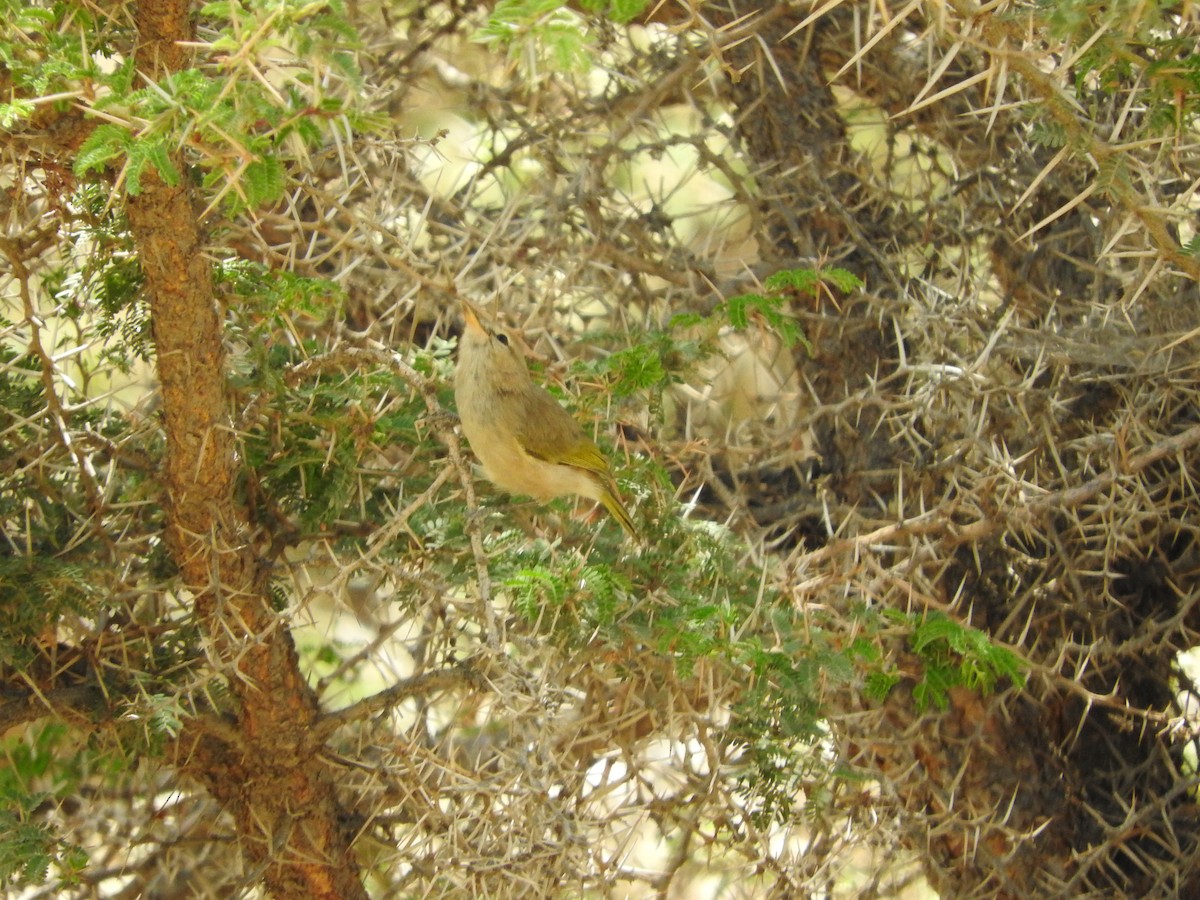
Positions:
{"x": 527, "y": 443}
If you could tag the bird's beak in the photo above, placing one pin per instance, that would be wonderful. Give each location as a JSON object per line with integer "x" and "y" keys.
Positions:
{"x": 472, "y": 316}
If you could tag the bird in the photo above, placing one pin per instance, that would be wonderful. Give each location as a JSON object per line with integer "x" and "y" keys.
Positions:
{"x": 526, "y": 442}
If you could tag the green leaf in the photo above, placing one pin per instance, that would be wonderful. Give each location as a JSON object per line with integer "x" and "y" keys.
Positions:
{"x": 878, "y": 685}
{"x": 770, "y": 309}
{"x": 938, "y": 628}
{"x": 166, "y": 716}
{"x": 940, "y": 641}
{"x": 544, "y": 26}
{"x": 637, "y": 368}
{"x": 106, "y": 143}
{"x": 804, "y": 281}
{"x": 15, "y": 111}
{"x": 263, "y": 181}
{"x": 155, "y": 152}
{"x": 620, "y": 11}
{"x": 534, "y": 589}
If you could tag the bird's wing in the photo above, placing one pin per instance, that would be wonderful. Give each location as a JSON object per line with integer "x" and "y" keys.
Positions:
{"x": 544, "y": 423}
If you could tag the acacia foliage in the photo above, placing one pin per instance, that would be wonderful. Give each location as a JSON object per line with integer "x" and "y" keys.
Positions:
{"x": 900, "y": 373}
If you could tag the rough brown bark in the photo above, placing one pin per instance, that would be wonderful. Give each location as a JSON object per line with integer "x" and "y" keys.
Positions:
{"x": 280, "y": 794}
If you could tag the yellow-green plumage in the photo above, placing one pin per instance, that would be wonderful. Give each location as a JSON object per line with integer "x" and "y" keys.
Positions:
{"x": 526, "y": 442}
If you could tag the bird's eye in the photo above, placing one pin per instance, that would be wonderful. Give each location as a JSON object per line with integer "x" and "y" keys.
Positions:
{"x": 502, "y": 338}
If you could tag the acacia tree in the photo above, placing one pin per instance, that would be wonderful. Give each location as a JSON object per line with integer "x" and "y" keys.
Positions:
{"x": 894, "y": 310}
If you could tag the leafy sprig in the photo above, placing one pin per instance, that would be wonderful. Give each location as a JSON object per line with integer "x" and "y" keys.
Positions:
{"x": 955, "y": 655}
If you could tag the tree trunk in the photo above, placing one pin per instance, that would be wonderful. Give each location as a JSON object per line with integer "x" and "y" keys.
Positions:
{"x": 271, "y": 778}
